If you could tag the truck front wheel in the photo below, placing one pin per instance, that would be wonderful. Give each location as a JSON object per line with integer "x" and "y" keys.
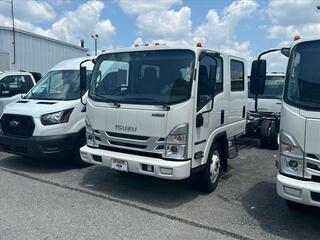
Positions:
{"x": 210, "y": 175}
{"x": 269, "y": 134}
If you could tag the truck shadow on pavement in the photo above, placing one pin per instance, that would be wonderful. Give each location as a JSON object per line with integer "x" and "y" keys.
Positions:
{"x": 18, "y": 163}
{"x": 139, "y": 188}
{"x": 273, "y": 216}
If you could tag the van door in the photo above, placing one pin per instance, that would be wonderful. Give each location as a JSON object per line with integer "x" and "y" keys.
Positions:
{"x": 210, "y": 72}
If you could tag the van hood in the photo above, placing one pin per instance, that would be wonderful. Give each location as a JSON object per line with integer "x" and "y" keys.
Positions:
{"x": 36, "y": 108}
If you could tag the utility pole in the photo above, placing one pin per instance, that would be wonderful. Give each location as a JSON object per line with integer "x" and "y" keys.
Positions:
{"x": 13, "y": 35}
{"x": 95, "y": 37}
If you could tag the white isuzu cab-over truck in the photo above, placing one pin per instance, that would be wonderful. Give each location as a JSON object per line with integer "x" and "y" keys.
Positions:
{"x": 49, "y": 122}
{"x": 298, "y": 180}
{"x": 165, "y": 112}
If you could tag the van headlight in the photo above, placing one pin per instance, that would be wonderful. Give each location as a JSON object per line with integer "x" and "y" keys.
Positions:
{"x": 90, "y": 134}
{"x": 56, "y": 117}
{"x": 177, "y": 142}
{"x": 291, "y": 156}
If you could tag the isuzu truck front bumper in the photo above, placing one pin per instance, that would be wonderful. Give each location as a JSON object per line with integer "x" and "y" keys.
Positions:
{"x": 156, "y": 167}
{"x": 304, "y": 192}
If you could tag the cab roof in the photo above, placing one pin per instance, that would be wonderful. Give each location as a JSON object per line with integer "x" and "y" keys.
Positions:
{"x": 73, "y": 64}
{"x": 302, "y": 40}
{"x": 165, "y": 47}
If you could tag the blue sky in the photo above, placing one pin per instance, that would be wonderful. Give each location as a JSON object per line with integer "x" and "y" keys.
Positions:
{"x": 244, "y": 27}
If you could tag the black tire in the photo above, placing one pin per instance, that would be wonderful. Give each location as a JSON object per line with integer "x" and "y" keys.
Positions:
{"x": 293, "y": 205}
{"x": 207, "y": 183}
{"x": 77, "y": 161}
{"x": 269, "y": 134}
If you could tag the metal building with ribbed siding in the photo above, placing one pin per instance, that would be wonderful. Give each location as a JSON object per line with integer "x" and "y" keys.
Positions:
{"x": 34, "y": 52}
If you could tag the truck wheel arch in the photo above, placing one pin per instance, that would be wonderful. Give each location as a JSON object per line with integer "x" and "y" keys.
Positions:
{"x": 221, "y": 139}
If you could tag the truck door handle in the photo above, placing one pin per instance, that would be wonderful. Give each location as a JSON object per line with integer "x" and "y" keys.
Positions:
{"x": 243, "y": 111}
{"x": 222, "y": 117}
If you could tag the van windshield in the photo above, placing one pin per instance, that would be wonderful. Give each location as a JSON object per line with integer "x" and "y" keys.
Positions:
{"x": 273, "y": 88}
{"x": 303, "y": 77}
{"x": 143, "y": 77}
{"x": 57, "y": 85}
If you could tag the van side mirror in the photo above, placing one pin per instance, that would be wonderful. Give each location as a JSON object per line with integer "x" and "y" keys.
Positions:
{"x": 285, "y": 51}
{"x": 258, "y": 76}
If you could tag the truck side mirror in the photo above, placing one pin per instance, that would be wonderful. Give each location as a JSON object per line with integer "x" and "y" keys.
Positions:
{"x": 83, "y": 79}
{"x": 285, "y": 51}
{"x": 258, "y": 76}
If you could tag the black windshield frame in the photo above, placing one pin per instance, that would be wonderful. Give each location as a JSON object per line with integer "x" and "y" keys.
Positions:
{"x": 92, "y": 95}
{"x": 299, "y": 103}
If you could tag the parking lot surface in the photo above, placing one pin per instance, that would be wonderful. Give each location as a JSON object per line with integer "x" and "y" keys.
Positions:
{"x": 49, "y": 199}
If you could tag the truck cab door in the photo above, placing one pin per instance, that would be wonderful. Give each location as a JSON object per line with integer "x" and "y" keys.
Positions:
{"x": 207, "y": 114}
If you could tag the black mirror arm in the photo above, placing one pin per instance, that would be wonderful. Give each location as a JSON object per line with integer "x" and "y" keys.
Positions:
{"x": 259, "y": 57}
{"x": 87, "y": 60}
{"x": 268, "y": 51}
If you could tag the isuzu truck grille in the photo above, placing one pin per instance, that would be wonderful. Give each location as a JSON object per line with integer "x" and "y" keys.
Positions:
{"x": 17, "y": 125}
{"x": 312, "y": 167}
{"x": 130, "y": 142}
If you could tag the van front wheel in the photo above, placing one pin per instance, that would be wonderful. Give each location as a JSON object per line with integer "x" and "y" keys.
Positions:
{"x": 77, "y": 157}
{"x": 210, "y": 175}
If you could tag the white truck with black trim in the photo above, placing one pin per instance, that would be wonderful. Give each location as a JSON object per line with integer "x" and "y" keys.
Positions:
{"x": 165, "y": 112}
{"x": 49, "y": 122}
{"x": 298, "y": 179}
{"x": 265, "y": 120}
{"x": 13, "y": 84}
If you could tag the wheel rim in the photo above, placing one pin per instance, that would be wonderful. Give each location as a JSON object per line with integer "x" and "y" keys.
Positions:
{"x": 215, "y": 166}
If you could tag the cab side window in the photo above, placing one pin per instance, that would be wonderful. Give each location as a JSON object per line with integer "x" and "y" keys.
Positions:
{"x": 210, "y": 73}
{"x": 237, "y": 75}
{"x": 12, "y": 85}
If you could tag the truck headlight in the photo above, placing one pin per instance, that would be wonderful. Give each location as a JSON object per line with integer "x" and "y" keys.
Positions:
{"x": 56, "y": 117}
{"x": 90, "y": 134}
{"x": 291, "y": 156}
{"x": 177, "y": 142}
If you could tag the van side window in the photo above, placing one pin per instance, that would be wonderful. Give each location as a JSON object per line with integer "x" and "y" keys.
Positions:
{"x": 210, "y": 72}
{"x": 237, "y": 75}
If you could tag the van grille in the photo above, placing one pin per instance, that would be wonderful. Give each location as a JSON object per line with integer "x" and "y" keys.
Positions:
{"x": 17, "y": 125}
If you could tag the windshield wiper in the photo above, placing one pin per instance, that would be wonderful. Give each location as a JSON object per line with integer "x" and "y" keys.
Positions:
{"x": 164, "y": 106}
{"x": 115, "y": 104}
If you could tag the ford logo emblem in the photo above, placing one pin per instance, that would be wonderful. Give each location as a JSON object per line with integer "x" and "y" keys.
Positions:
{"x": 14, "y": 123}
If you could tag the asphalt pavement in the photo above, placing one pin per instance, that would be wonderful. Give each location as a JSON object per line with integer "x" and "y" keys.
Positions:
{"x": 49, "y": 199}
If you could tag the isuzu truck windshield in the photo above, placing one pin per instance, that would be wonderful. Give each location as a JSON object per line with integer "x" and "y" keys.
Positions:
{"x": 143, "y": 77}
{"x": 303, "y": 77}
